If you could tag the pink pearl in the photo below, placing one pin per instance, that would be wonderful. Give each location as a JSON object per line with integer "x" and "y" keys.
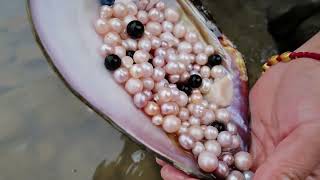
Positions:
{"x": 165, "y": 95}
{"x": 171, "y": 124}
{"x": 168, "y": 38}
{"x": 184, "y": 58}
{"x": 213, "y": 107}
{"x": 222, "y": 169}
{"x": 142, "y": 4}
{"x": 174, "y": 78}
{"x": 149, "y": 94}
{"x": 132, "y": 8}
{"x": 161, "y": 6}
{"x": 186, "y": 141}
{"x": 119, "y": 10}
{"x": 185, "y": 47}
{"x": 235, "y": 142}
{"x": 144, "y": 44}
{"x": 161, "y": 17}
{"x": 185, "y": 76}
{"x": 154, "y": 14}
{"x": 198, "y": 110}
{"x": 196, "y": 68}
{"x": 209, "y": 50}
{"x": 140, "y": 100}
{"x": 158, "y": 74}
{"x": 198, "y": 148}
{"x": 167, "y": 26}
{"x": 205, "y": 103}
{"x": 102, "y": 27}
{"x": 179, "y": 30}
{"x": 134, "y": 86}
{"x": 202, "y": 59}
{"x": 235, "y": 175}
{"x": 152, "y": 108}
{"x": 121, "y": 75}
{"x": 213, "y": 146}
{"x": 158, "y": 61}
{"x": 228, "y": 159}
{"x": 184, "y": 114}
{"x": 147, "y": 69}
{"x": 127, "y": 20}
{"x": 191, "y": 37}
{"x": 171, "y": 57}
{"x": 218, "y": 71}
{"x": 155, "y": 43}
{"x": 186, "y": 124}
{"x": 172, "y": 68}
{"x": 132, "y": 44}
{"x": 141, "y": 56}
{"x": 154, "y": 28}
{"x": 136, "y": 71}
{"x": 161, "y": 84}
{"x": 123, "y": 34}
{"x": 182, "y": 68}
{"x": 171, "y": 15}
{"x": 157, "y": 120}
{"x": 192, "y": 58}
{"x": 196, "y": 132}
{"x": 106, "y": 49}
{"x": 148, "y": 83}
{"x": 196, "y": 98}
{"x": 207, "y": 161}
{"x": 112, "y": 39}
{"x": 116, "y": 25}
{"x": 106, "y": 12}
{"x": 169, "y": 108}
{"x": 211, "y": 133}
{"x": 225, "y": 139}
{"x": 208, "y": 117}
{"x": 232, "y": 128}
{"x": 142, "y": 16}
{"x": 194, "y": 121}
{"x": 205, "y": 72}
{"x": 198, "y": 47}
{"x": 120, "y": 51}
{"x": 223, "y": 115}
{"x": 160, "y": 52}
{"x": 182, "y": 99}
{"x": 127, "y": 62}
{"x": 205, "y": 86}
{"x": 183, "y": 129}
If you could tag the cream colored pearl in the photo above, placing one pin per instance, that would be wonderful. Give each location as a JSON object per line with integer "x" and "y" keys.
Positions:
{"x": 198, "y": 110}
{"x": 140, "y": 100}
{"x": 161, "y": 6}
{"x": 235, "y": 142}
{"x": 120, "y": 51}
{"x": 191, "y": 37}
{"x": 147, "y": 69}
{"x": 102, "y": 27}
{"x": 155, "y": 42}
{"x": 182, "y": 100}
{"x": 171, "y": 124}
{"x": 207, "y": 161}
{"x": 213, "y": 107}
{"x": 127, "y": 62}
{"x": 183, "y": 129}
{"x": 218, "y": 71}
{"x": 211, "y": 133}
{"x": 202, "y": 59}
{"x": 198, "y": 47}
{"x": 205, "y": 103}
{"x": 158, "y": 74}
{"x": 235, "y": 175}
{"x": 194, "y": 121}
{"x": 184, "y": 114}
{"x": 186, "y": 141}
{"x": 112, "y": 39}
{"x": 148, "y": 83}
{"x": 213, "y": 146}
{"x": 179, "y": 30}
{"x": 225, "y": 139}
{"x": 119, "y": 10}
{"x": 126, "y": 21}
{"x": 141, "y": 56}
{"x": 157, "y": 120}
{"x": 174, "y": 78}
{"x": 196, "y": 132}
{"x": 184, "y": 76}
{"x": 205, "y": 86}
{"x": 222, "y": 170}
{"x": 161, "y": 84}
{"x": 196, "y": 98}
{"x": 243, "y": 160}
{"x": 165, "y": 95}
{"x": 184, "y": 58}
{"x": 154, "y": 14}
{"x": 154, "y": 28}
{"x": 185, "y": 47}
{"x": 132, "y": 8}
{"x": 171, "y": 15}
{"x": 142, "y": 16}
{"x": 116, "y": 25}
{"x": 136, "y": 71}
{"x": 152, "y": 109}
{"x": 106, "y": 49}
{"x": 106, "y": 12}
{"x": 167, "y": 26}
{"x": 144, "y": 44}
{"x": 205, "y": 72}
{"x": 208, "y": 117}
{"x": 232, "y": 128}
{"x": 172, "y": 67}
{"x": 132, "y": 44}
{"x": 169, "y": 108}
{"x": 209, "y": 50}
{"x": 223, "y": 115}
{"x": 133, "y": 86}
{"x": 198, "y": 148}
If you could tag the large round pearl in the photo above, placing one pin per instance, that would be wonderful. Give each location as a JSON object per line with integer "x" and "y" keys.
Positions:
{"x": 158, "y": 74}
{"x": 248, "y": 175}
{"x": 133, "y": 86}
{"x": 121, "y": 75}
{"x": 235, "y": 142}
{"x": 185, "y": 47}
{"x": 209, "y": 50}
{"x": 116, "y": 25}
{"x": 144, "y": 44}
{"x": 171, "y": 15}
{"x": 171, "y": 124}
{"x": 157, "y": 120}
{"x": 235, "y": 175}
{"x": 218, "y": 71}
{"x": 207, "y": 161}
{"x": 201, "y": 59}
{"x": 106, "y": 12}
{"x": 208, "y": 117}
{"x": 225, "y": 139}
{"x": 172, "y": 67}
{"x": 158, "y": 61}
{"x": 194, "y": 121}
{"x": 148, "y": 83}
{"x": 112, "y": 39}
{"x": 186, "y": 141}
{"x": 165, "y": 95}
{"x": 222, "y": 170}
{"x": 167, "y": 26}
{"x": 132, "y": 8}
{"x": 142, "y": 16}
{"x": 152, "y": 109}
{"x": 136, "y": 71}
{"x": 140, "y": 100}
{"x": 196, "y": 132}
{"x": 223, "y": 115}
{"x": 228, "y": 159}
{"x": 191, "y": 37}
{"x": 198, "y": 47}
{"x": 102, "y": 27}
{"x": 198, "y": 148}
{"x": 243, "y": 160}
{"x": 184, "y": 114}
{"x": 119, "y": 10}
{"x": 179, "y": 30}
{"x": 120, "y": 51}
{"x": 213, "y": 146}
{"x": 169, "y": 108}
{"x": 211, "y": 133}
{"x": 106, "y": 49}
{"x": 154, "y": 28}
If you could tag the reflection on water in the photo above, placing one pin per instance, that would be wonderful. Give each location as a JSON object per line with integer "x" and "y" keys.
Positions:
{"x": 47, "y": 133}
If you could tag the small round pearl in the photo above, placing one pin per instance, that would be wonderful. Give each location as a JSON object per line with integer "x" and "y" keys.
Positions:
{"x": 222, "y": 170}
{"x": 161, "y": 84}
{"x": 218, "y": 71}
{"x": 121, "y": 75}
{"x": 161, "y": 6}
{"x": 102, "y": 27}
{"x": 169, "y": 108}
{"x": 172, "y": 68}
{"x": 171, "y": 124}
{"x": 236, "y": 141}
{"x": 235, "y": 175}
{"x": 136, "y": 71}
{"x": 201, "y": 59}
{"x": 186, "y": 124}
{"x": 198, "y": 47}
{"x": 213, "y": 146}
{"x": 155, "y": 43}
{"x": 132, "y": 8}
{"x": 134, "y": 86}
{"x": 172, "y": 57}
{"x": 171, "y": 15}
{"x": 147, "y": 69}
{"x": 198, "y": 110}
{"x": 223, "y": 115}
{"x": 127, "y": 62}
{"x": 248, "y": 175}
{"x": 106, "y": 49}
{"x": 208, "y": 117}
{"x": 152, "y": 109}
{"x": 205, "y": 72}
{"x": 158, "y": 61}
{"x": 209, "y": 50}
{"x": 213, "y": 107}
{"x": 186, "y": 141}
{"x": 168, "y": 38}
{"x": 205, "y": 86}
{"x": 141, "y": 56}
{"x": 116, "y": 25}
{"x": 179, "y": 30}
{"x": 191, "y": 37}
{"x": 225, "y": 139}
{"x": 196, "y": 68}
{"x": 120, "y": 51}
{"x": 119, "y": 10}
{"x": 142, "y": 4}
{"x": 196, "y": 132}
{"x": 205, "y": 103}
{"x": 124, "y": 35}
{"x": 184, "y": 76}
{"x": 196, "y": 98}
{"x": 243, "y": 161}
{"x": 198, "y": 148}
{"x": 149, "y": 94}
{"x": 106, "y": 12}
{"x": 142, "y": 16}
{"x": 184, "y": 114}
{"x": 174, "y": 78}
{"x": 211, "y": 133}
{"x": 148, "y": 83}
{"x": 167, "y": 26}
{"x": 207, "y": 161}
{"x": 140, "y": 100}
{"x": 157, "y": 120}
{"x": 158, "y": 74}
{"x": 126, "y": 21}
{"x": 228, "y": 159}
{"x": 132, "y": 44}
{"x": 183, "y": 129}
{"x": 154, "y": 14}
{"x": 182, "y": 100}
{"x": 194, "y": 121}
{"x": 160, "y": 52}
{"x": 184, "y": 58}
{"x": 112, "y": 39}
{"x": 232, "y": 128}
{"x": 154, "y": 28}
{"x": 185, "y": 47}
{"x": 165, "y": 95}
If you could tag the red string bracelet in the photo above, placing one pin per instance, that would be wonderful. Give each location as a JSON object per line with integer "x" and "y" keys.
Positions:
{"x": 288, "y": 56}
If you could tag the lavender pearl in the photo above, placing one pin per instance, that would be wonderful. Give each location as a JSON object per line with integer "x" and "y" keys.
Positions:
{"x": 186, "y": 141}
{"x": 228, "y": 159}
{"x": 235, "y": 175}
{"x": 222, "y": 169}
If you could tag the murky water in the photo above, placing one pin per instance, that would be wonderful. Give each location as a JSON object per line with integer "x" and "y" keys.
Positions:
{"x": 47, "y": 133}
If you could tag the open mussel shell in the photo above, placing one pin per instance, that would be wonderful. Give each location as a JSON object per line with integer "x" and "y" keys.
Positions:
{"x": 64, "y": 29}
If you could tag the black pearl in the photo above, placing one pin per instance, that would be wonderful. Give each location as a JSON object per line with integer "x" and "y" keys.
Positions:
{"x": 220, "y": 126}
{"x": 130, "y": 53}
{"x": 135, "y": 29}
{"x": 112, "y": 62}
{"x": 214, "y": 60}
{"x": 185, "y": 88}
{"x": 107, "y": 2}
{"x": 195, "y": 81}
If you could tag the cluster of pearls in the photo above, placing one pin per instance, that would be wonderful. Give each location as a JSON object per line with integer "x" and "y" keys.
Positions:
{"x": 169, "y": 53}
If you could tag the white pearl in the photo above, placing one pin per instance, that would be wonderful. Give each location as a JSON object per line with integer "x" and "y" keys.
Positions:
{"x": 165, "y": 95}
{"x": 161, "y": 6}
{"x": 106, "y": 49}
{"x": 171, "y": 67}
{"x": 127, "y": 62}
{"x": 186, "y": 141}
{"x": 171, "y": 15}
{"x": 174, "y": 78}
{"x": 136, "y": 71}
{"x": 169, "y": 108}
{"x": 179, "y": 30}
{"x": 211, "y": 133}
{"x": 105, "y": 12}
{"x": 248, "y": 175}
{"x": 222, "y": 170}
{"x": 142, "y": 16}
{"x": 116, "y": 25}
{"x": 235, "y": 175}
{"x": 134, "y": 86}
{"x": 148, "y": 83}
{"x": 141, "y": 56}
{"x": 140, "y": 100}
{"x": 185, "y": 47}
{"x": 191, "y": 37}
{"x": 171, "y": 124}
{"x": 157, "y": 120}
{"x": 168, "y": 38}
{"x": 119, "y": 10}
{"x": 198, "y": 110}
{"x": 158, "y": 74}
{"x": 223, "y": 115}
{"x": 194, "y": 121}
{"x": 121, "y": 75}
{"x": 205, "y": 72}
{"x": 184, "y": 114}
{"x": 144, "y": 44}
{"x": 167, "y": 26}
{"x": 207, "y": 161}
{"x": 209, "y": 50}
{"x": 232, "y": 128}
{"x": 196, "y": 132}
{"x": 198, "y": 148}
{"x": 225, "y": 139}
{"x": 155, "y": 43}
{"x": 243, "y": 161}
{"x": 198, "y": 47}
{"x": 132, "y": 8}
{"x": 154, "y": 14}
{"x": 154, "y": 28}
{"x": 182, "y": 99}
{"x": 132, "y": 44}
{"x": 202, "y": 59}
{"x": 142, "y": 4}
{"x": 208, "y": 117}
{"x": 205, "y": 86}
{"x": 228, "y": 159}
{"x": 213, "y": 146}
{"x": 127, "y": 20}
{"x": 160, "y": 52}
{"x": 120, "y": 51}
{"x": 218, "y": 71}
{"x": 112, "y": 39}
{"x": 102, "y": 27}
{"x": 236, "y": 141}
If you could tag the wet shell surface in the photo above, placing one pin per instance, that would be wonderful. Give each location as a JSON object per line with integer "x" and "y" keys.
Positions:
{"x": 64, "y": 29}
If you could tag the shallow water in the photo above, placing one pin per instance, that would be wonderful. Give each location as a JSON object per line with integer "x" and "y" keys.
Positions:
{"x": 47, "y": 133}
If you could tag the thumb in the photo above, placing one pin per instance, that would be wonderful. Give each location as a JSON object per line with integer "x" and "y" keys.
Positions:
{"x": 295, "y": 157}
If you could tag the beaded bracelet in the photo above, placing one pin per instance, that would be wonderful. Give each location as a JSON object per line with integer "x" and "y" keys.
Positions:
{"x": 288, "y": 56}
